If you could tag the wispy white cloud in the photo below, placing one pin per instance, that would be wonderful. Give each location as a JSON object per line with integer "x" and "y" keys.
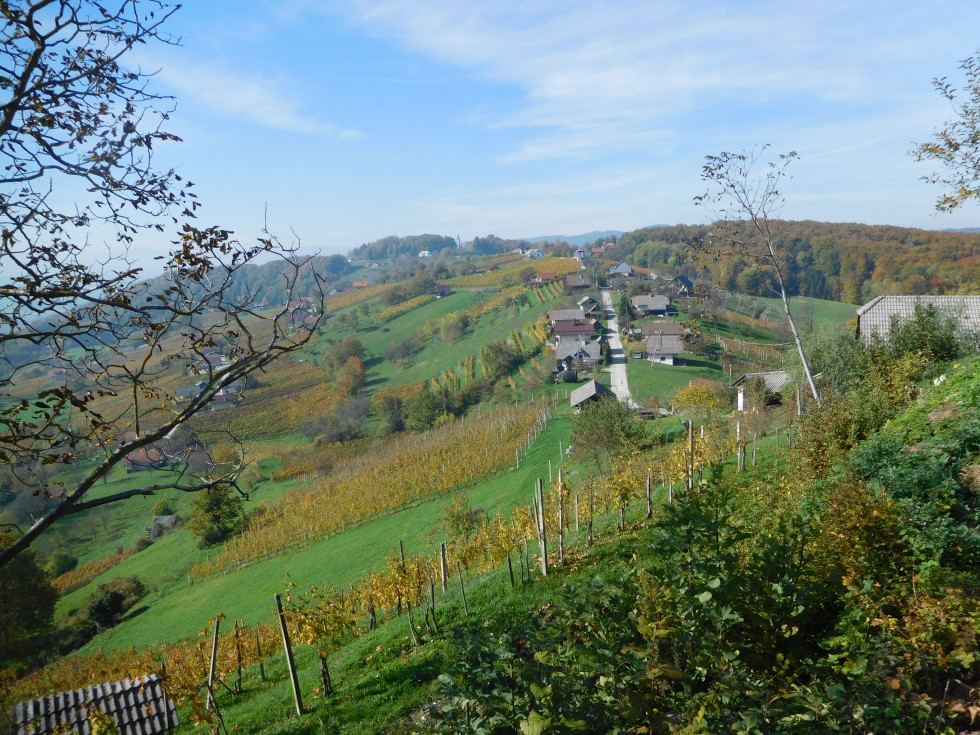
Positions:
{"x": 595, "y": 75}
{"x": 263, "y": 101}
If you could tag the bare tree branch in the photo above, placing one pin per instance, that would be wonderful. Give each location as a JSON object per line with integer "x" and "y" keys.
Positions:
{"x": 98, "y": 361}
{"x": 748, "y": 207}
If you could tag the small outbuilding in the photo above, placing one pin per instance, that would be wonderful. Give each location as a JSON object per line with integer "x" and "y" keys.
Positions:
{"x": 772, "y": 381}
{"x": 591, "y": 391}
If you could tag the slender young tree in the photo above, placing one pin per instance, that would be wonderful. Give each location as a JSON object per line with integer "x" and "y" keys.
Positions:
{"x": 99, "y": 361}
{"x": 747, "y": 205}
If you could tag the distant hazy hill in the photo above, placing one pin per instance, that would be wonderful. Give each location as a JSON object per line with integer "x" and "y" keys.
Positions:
{"x": 576, "y": 240}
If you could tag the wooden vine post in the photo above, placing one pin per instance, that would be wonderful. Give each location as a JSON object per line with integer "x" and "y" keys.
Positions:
{"x": 561, "y": 518}
{"x": 649, "y": 495}
{"x": 290, "y": 663}
{"x": 690, "y": 455}
{"x": 442, "y": 566}
{"x": 542, "y": 528}
{"x": 462, "y": 590}
{"x": 214, "y": 659}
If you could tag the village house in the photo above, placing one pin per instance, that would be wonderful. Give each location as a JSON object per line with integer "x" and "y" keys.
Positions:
{"x": 564, "y": 315}
{"x": 582, "y": 255}
{"x": 588, "y": 305}
{"x": 578, "y": 355}
{"x": 441, "y": 291}
{"x": 576, "y": 283}
{"x": 539, "y": 278}
{"x": 648, "y": 329}
{"x": 622, "y": 269}
{"x": 145, "y": 459}
{"x": 575, "y": 330}
{"x": 651, "y": 305}
{"x": 534, "y": 254}
{"x": 664, "y": 348}
{"x": 680, "y": 285}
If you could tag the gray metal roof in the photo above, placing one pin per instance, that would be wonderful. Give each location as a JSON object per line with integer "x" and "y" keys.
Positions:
{"x": 772, "y": 380}
{"x": 578, "y": 350}
{"x": 667, "y": 344}
{"x": 651, "y": 302}
{"x": 138, "y": 707}
{"x": 564, "y": 315}
{"x": 592, "y": 389}
{"x": 622, "y": 268}
{"x": 876, "y": 315}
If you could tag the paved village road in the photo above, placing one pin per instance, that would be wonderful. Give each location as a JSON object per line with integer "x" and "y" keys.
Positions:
{"x": 617, "y": 366}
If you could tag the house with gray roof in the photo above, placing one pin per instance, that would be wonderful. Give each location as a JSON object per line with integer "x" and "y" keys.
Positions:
{"x": 587, "y": 304}
{"x": 651, "y": 305}
{"x": 622, "y": 268}
{"x": 576, "y": 282}
{"x": 664, "y": 348}
{"x": 875, "y": 317}
{"x": 564, "y": 315}
{"x": 581, "y": 355}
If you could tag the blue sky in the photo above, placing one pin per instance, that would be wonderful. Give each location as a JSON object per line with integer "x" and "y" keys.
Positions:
{"x": 344, "y": 122}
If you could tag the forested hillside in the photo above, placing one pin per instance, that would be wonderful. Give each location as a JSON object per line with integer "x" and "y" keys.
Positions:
{"x": 393, "y": 246}
{"x": 835, "y": 261}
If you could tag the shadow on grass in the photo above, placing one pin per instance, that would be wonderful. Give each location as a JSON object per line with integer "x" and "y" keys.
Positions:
{"x": 703, "y": 363}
